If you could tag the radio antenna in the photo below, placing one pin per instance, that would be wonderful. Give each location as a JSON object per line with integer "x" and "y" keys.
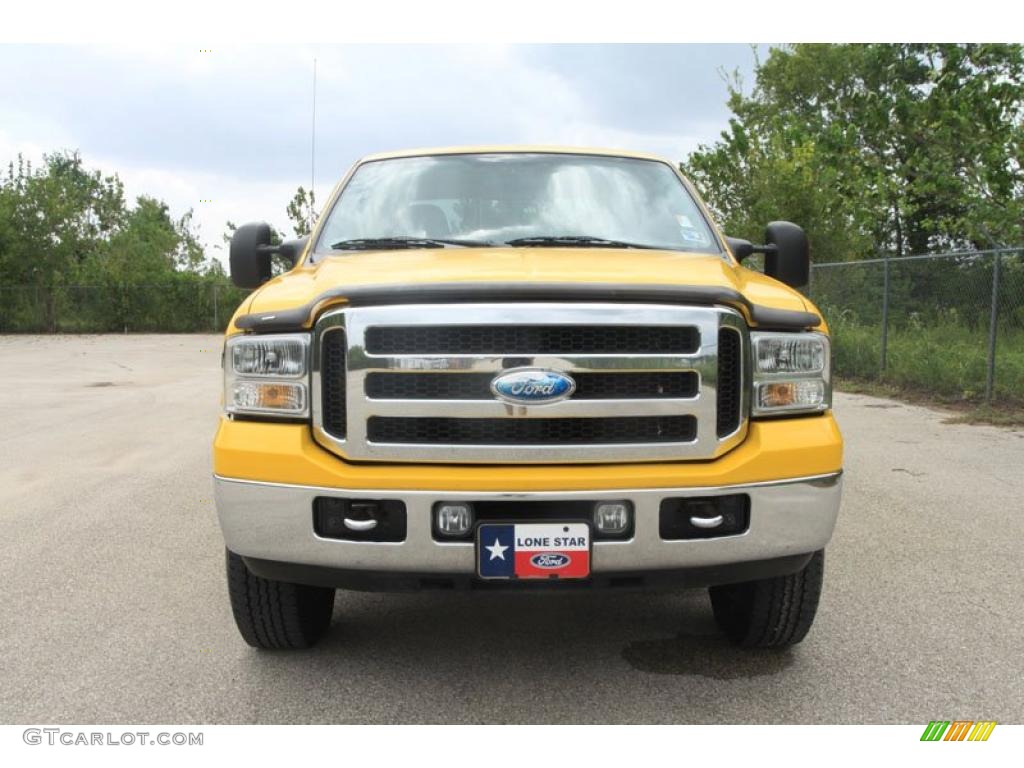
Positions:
{"x": 312, "y": 151}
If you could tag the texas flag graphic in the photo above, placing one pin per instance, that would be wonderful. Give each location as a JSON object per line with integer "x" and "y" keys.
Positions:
{"x": 534, "y": 550}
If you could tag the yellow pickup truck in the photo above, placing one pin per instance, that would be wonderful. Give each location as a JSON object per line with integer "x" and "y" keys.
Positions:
{"x": 524, "y": 368}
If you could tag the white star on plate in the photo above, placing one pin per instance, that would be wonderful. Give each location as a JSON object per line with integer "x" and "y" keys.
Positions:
{"x": 497, "y": 550}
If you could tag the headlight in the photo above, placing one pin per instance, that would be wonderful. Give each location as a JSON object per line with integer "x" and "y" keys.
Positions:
{"x": 792, "y": 373}
{"x": 267, "y": 375}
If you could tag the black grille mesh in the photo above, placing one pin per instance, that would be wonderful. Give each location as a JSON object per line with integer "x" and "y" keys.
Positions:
{"x": 332, "y": 376}
{"x": 545, "y": 432}
{"x": 729, "y": 375}
{"x": 531, "y": 339}
{"x": 477, "y": 386}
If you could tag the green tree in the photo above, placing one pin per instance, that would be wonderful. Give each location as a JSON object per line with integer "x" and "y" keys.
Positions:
{"x": 302, "y": 212}
{"x": 136, "y": 259}
{"x": 75, "y": 256}
{"x": 56, "y": 218}
{"x": 909, "y": 147}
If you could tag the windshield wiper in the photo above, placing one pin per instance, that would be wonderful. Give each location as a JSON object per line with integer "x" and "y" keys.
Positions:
{"x": 403, "y": 241}
{"x": 580, "y": 241}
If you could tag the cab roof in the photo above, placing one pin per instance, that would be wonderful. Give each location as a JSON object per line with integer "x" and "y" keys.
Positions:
{"x": 489, "y": 149}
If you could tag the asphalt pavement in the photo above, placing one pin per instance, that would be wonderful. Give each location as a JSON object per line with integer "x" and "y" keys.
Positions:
{"x": 115, "y": 607}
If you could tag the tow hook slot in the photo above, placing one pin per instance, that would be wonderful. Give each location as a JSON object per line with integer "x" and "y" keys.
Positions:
{"x": 704, "y": 517}
{"x": 382, "y": 520}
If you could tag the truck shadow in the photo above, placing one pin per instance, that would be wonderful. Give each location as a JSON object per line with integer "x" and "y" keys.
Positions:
{"x": 705, "y": 655}
{"x": 654, "y": 633}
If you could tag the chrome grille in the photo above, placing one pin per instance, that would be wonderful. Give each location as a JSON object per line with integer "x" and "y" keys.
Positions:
{"x": 411, "y": 395}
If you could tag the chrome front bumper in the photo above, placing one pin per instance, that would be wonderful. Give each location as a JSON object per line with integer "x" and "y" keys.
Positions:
{"x": 275, "y": 522}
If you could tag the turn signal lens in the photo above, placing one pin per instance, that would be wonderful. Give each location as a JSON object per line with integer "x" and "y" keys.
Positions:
{"x": 271, "y": 397}
{"x": 791, "y": 394}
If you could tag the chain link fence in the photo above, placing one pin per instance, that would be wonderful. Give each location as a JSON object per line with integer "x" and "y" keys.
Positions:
{"x": 949, "y": 324}
{"x": 178, "y": 307}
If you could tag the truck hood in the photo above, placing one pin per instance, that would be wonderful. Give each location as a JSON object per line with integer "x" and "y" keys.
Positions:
{"x": 325, "y": 282}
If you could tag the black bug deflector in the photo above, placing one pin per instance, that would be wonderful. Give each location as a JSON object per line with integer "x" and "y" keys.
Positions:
{"x": 301, "y": 317}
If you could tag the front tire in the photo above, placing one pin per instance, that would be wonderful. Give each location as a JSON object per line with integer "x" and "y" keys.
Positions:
{"x": 276, "y": 614}
{"x": 770, "y": 613}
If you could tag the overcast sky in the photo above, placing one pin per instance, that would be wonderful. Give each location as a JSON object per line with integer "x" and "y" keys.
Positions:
{"x": 233, "y": 125}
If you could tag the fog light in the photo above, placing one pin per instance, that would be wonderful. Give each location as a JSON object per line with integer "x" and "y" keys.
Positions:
{"x": 612, "y": 517}
{"x": 454, "y": 518}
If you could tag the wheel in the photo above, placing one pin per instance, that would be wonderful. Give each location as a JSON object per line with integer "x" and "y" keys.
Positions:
{"x": 276, "y": 614}
{"x": 770, "y": 613}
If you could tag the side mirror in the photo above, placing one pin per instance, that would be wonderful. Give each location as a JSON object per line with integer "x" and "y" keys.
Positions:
{"x": 788, "y": 255}
{"x": 741, "y": 249}
{"x": 251, "y": 254}
{"x": 291, "y": 250}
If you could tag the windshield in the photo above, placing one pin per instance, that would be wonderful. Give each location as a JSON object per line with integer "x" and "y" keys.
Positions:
{"x": 518, "y": 199}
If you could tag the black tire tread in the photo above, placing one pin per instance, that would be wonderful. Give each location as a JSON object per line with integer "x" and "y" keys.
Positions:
{"x": 770, "y": 613}
{"x": 276, "y": 614}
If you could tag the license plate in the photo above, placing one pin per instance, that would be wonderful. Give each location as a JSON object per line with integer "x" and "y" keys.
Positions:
{"x": 533, "y": 550}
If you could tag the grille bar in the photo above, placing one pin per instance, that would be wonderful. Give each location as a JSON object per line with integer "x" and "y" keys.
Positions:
{"x": 477, "y": 386}
{"x": 610, "y": 431}
{"x": 531, "y": 339}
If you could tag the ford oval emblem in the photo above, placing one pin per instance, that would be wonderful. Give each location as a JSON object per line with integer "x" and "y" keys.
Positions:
{"x": 532, "y": 386}
{"x": 550, "y": 560}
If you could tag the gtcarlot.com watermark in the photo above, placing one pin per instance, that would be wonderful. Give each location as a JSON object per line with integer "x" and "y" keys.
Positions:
{"x": 71, "y": 738}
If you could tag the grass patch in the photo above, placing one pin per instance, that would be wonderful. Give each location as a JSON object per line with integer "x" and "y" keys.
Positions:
{"x": 936, "y": 362}
{"x": 989, "y": 414}
{"x": 941, "y": 359}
